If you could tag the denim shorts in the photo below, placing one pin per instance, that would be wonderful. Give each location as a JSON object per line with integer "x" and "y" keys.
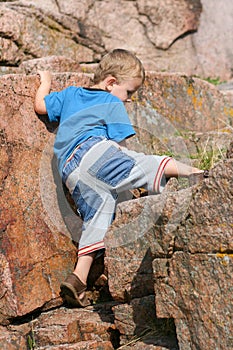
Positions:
{"x": 97, "y": 172}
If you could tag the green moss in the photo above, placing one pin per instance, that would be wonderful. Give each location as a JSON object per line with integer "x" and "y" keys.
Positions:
{"x": 211, "y": 80}
{"x": 214, "y": 81}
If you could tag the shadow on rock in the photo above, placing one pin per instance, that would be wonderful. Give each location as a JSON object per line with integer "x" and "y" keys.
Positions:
{"x": 137, "y": 320}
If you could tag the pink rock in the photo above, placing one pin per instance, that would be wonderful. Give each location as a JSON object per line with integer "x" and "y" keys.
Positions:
{"x": 167, "y": 21}
{"x": 52, "y": 63}
{"x": 174, "y": 36}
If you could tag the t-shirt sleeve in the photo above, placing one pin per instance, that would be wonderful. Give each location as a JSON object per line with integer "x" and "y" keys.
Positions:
{"x": 54, "y": 104}
{"x": 119, "y": 126}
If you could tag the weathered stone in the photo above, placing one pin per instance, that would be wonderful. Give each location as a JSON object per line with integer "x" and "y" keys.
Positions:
{"x": 189, "y": 257}
{"x": 36, "y": 35}
{"x": 10, "y": 52}
{"x": 84, "y": 345}
{"x": 189, "y": 103}
{"x": 92, "y": 328}
{"x": 52, "y": 63}
{"x": 167, "y": 21}
{"x": 137, "y": 321}
{"x": 229, "y": 153}
{"x": 135, "y": 239}
{"x": 67, "y": 326}
{"x": 130, "y": 238}
{"x": 14, "y": 340}
{"x": 208, "y": 225}
{"x": 174, "y": 36}
{"x": 227, "y": 90}
{"x": 211, "y": 42}
{"x": 141, "y": 345}
{"x": 197, "y": 293}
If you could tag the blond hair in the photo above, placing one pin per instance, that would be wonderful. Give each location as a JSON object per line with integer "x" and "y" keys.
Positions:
{"x": 121, "y": 64}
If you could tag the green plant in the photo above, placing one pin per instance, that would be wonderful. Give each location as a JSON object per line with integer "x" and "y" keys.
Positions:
{"x": 31, "y": 342}
{"x": 31, "y": 339}
{"x": 214, "y": 81}
{"x": 208, "y": 155}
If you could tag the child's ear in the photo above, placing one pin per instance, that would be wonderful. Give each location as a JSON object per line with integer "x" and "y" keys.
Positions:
{"x": 109, "y": 82}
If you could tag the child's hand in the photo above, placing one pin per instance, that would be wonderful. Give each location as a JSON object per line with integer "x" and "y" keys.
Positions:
{"x": 45, "y": 76}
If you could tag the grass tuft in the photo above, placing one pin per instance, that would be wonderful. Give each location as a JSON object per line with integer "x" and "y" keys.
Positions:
{"x": 208, "y": 155}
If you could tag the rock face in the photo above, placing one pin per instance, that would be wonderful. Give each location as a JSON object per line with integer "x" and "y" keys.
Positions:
{"x": 188, "y": 264}
{"x": 64, "y": 329}
{"x": 175, "y": 36}
{"x": 169, "y": 257}
{"x": 166, "y": 22}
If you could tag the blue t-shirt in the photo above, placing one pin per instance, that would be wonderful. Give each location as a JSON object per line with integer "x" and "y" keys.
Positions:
{"x": 82, "y": 113}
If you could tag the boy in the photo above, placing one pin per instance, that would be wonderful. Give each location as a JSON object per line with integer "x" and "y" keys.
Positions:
{"x": 93, "y": 162}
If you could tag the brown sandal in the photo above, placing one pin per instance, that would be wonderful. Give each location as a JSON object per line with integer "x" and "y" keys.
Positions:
{"x": 71, "y": 288}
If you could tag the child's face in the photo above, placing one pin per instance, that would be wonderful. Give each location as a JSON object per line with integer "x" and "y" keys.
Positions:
{"x": 125, "y": 89}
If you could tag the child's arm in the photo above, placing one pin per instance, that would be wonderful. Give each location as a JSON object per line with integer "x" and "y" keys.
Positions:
{"x": 43, "y": 90}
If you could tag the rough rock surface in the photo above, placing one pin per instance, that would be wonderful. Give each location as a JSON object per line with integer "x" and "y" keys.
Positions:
{"x": 92, "y": 328}
{"x": 190, "y": 36}
{"x": 182, "y": 249}
{"x": 165, "y": 22}
{"x": 158, "y": 243}
{"x": 137, "y": 321}
{"x": 58, "y": 64}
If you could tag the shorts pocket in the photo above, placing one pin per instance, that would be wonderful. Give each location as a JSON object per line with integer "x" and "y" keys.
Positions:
{"x": 112, "y": 167}
{"x": 86, "y": 200}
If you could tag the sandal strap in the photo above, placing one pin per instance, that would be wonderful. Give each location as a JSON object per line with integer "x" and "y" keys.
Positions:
{"x": 76, "y": 283}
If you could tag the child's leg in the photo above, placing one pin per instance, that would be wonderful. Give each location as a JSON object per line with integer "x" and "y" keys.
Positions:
{"x": 74, "y": 287}
{"x": 175, "y": 168}
{"x": 83, "y": 266}
{"x": 95, "y": 185}
{"x": 97, "y": 207}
